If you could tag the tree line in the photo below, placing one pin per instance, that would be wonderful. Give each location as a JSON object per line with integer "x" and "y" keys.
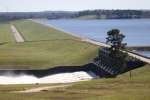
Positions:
{"x": 99, "y": 14}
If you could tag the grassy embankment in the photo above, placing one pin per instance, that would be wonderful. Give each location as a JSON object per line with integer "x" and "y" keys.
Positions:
{"x": 121, "y": 88}
{"x": 91, "y": 17}
{"x": 87, "y": 17}
{"x": 140, "y": 48}
{"x": 44, "y": 48}
{"x": 5, "y": 33}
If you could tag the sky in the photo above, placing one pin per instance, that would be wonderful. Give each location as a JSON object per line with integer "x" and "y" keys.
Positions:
{"x": 70, "y": 5}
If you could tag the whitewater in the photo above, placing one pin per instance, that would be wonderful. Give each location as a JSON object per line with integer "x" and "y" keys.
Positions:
{"x": 10, "y": 78}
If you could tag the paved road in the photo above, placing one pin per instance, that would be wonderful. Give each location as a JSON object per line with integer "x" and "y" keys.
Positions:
{"x": 144, "y": 59}
{"x": 16, "y": 34}
{"x": 95, "y": 42}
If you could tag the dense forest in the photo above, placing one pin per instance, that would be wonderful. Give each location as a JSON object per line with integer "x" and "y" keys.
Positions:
{"x": 94, "y": 14}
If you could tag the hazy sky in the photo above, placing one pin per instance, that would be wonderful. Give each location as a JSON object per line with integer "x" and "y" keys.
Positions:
{"x": 71, "y": 5}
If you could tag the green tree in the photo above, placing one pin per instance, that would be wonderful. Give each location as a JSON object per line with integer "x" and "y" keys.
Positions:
{"x": 115, "y": 39}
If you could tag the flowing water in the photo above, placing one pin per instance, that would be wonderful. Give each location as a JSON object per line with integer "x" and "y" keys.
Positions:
{"x": 10, "y": 78}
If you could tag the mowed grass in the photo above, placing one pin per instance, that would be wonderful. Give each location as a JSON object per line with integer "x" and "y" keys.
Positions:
{"x": 46, "y": 54}
{"x": 45, "y": 47}
{"x": 88, "y": 17}
{"x": 32, "y": 31}
{"x": 121, "y": 88}
{"x": 5, "y": 32}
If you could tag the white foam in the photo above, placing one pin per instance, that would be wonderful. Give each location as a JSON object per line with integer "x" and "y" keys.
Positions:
{"x": 57, "y": 78}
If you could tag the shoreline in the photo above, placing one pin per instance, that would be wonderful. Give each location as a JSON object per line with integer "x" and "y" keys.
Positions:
{"x": 84, "y": 39}
{"x": 56, "y": 28}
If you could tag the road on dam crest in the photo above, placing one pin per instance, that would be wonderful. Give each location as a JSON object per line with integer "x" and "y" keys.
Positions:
{"x": 18, "y": 37}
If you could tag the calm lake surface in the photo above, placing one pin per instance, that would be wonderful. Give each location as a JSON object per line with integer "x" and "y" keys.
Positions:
{"x": 137, "y": 31}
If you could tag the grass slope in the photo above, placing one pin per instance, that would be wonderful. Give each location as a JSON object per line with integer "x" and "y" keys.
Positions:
{"x": 120, "y": 88}
{"x": 47, "y": 48}
{"x": 46, "y": 54}
{"x": 5, "y": 32}
{"x": 91, "y": 17}
{"x": 36, "y": 32}
{"x": 88, "y": 17}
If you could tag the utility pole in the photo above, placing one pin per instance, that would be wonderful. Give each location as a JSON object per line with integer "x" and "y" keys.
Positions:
{"x": 130, "y": 73}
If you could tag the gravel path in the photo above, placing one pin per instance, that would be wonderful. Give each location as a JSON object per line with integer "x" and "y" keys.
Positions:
{"x": 44, "y": 88}
{"x": 16, "y": 34}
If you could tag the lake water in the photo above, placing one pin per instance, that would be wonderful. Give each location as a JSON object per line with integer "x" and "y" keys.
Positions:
{"x": 137, "y": 31}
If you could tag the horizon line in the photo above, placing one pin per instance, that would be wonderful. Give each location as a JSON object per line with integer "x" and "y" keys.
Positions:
{"x": 71, "y": 10}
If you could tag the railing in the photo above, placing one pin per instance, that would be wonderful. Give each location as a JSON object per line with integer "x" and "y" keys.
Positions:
{"x": 106, "y": 68}
{"x": 138, "y": 56}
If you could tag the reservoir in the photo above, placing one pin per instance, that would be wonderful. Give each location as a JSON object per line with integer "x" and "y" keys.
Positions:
{"x": 137, "y": 31}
